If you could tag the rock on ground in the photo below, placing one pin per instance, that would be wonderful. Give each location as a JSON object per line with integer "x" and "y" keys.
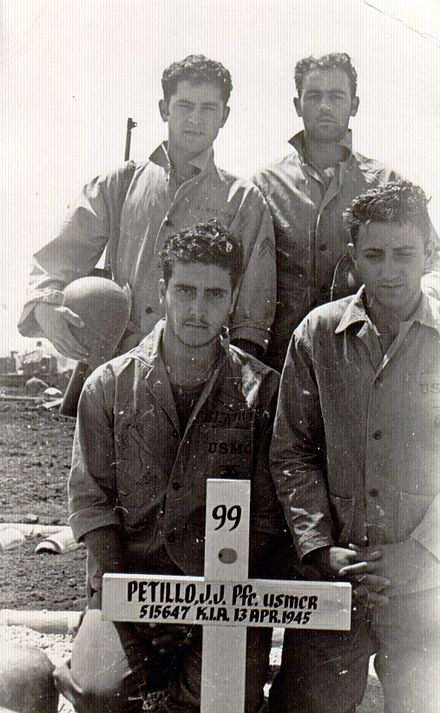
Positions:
{"x": 56, "y": 646}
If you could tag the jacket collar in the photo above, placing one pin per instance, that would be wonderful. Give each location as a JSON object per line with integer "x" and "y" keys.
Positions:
{"x": 149, "y": 349}
{"x": 297, "y": 141}
{"x": 157, "y": 381}
{"x": 148, "y": 352}
{"x": 246, "y": 373}
{"x": 427, "y": 313}
{"x": 202, "y": 162}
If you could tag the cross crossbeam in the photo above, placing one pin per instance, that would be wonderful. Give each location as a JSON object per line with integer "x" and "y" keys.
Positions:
{"x": 225, "y": 601}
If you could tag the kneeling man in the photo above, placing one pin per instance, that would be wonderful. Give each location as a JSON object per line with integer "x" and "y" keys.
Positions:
{"x": 152, "y": 426}
{"x": 355, "y": 459}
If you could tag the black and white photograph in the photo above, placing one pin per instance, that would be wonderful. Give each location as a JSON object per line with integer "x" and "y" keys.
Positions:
{"x": 220, "y": 356}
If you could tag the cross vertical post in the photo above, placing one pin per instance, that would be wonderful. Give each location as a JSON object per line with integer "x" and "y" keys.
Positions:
{"x": 226, "y": 559}
{"x": 225, "y": 601}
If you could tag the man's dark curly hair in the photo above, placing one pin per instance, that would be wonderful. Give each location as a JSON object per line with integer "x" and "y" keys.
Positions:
{"x": 334, "y": 60}
{"x": 395, "y": 202}
{"x": 209, "y": 243}
{"x": 197, "y": 69}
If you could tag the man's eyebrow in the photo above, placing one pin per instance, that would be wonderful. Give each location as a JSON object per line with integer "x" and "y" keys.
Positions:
{"x": 212, "y": 103}
{"x": 185, "y": 284}
{"x": 409, "y": 246}
{"x": 216, "y": 289}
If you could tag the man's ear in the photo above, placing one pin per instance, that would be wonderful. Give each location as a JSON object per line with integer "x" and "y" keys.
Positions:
{"x": 354, "y": 106}
{"x": 429, "y": 249}
{"x": 352, "y": 252}
{"x": 297, "y": 104}
{"x": 226, "y": 112}
{"x": 162, "y": 291}
{"x": 164, "y": 110}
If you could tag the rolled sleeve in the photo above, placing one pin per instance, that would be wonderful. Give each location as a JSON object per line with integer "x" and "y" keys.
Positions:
{"x": 28, "y": 325}
{"x": 298, "y": 452}
{"x": 92, "y": 480}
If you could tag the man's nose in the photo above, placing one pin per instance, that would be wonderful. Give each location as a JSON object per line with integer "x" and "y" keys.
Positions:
{"x": 325, "y": 104}
{"x": 195, "y": 116}
{"x": 390, "y": 268}
{"x": 198, "y": 306}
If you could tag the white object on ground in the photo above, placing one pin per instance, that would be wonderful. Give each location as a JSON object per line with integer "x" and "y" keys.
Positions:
{"x": 59, "y": 542}
{"x": 47, "y": 622}
{"x": 52, "y": 392}
{"x": 10, "y": 538}
{"x": 30, "y": 530}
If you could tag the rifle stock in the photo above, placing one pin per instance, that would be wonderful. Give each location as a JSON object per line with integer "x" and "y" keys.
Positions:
{"x": 69, "y": 404}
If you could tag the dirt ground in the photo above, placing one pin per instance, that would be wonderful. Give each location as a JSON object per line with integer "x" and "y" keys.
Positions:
{"x": 35, "y": 448}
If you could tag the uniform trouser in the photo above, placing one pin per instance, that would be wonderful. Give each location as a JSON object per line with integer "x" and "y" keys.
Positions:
{"x": 327, "y": 672}
{"x": 113, "y": 667}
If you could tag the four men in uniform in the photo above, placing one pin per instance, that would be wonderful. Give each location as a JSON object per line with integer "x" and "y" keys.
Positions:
{"x": 353, "y": 452}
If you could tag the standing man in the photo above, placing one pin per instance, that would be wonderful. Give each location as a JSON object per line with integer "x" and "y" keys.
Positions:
{"x": 153, "y": 425}
{"x": 132, "y": 211}
{"x": 308, "y": 191}
{"x": 355, "y": 459}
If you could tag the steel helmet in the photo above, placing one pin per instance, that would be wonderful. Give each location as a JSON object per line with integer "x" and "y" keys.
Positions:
{"x": 105, "y": 309}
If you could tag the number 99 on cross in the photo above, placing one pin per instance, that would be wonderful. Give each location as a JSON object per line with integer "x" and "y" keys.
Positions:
{"x": 227, "y": 516}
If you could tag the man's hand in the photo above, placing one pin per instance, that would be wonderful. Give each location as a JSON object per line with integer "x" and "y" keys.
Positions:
{"x": 105, "y": 547}
{"x": 408, "y": 565}
{"x": 54, "y": 322}
{"x": 355, "y": 564}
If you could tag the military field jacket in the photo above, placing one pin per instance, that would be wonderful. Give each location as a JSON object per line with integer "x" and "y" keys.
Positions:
{"x": 136, "y": 228}
{"x": 311, "y": 243}
{"x": 133, "y": 467}
{"x": 356, "y": 444}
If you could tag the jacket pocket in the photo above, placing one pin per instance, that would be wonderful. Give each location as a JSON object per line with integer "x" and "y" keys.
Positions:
{"x": 227, "y": 452}
{"x": 342, "y": 512}
{"x": 420, "y": 420}
{"x": 411, "y": 510}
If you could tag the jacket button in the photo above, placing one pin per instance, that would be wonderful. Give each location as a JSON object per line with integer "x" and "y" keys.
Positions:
{"x": 373, "y": 492}
{"x": 377, "y": 435}
{"x": 171, "y": 537}
{"x": 323, "y": 247}
{"x": 174, "y": 434}
{"x": 148, "y": 310}
{"x": 175, "y": 485}
{"x": 168, "y": 223}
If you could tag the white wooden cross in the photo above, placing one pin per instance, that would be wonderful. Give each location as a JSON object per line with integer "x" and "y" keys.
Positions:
{"x": 225, "y": 601}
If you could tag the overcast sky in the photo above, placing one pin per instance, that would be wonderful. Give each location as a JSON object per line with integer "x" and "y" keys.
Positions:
{"x": 72, "y": 71}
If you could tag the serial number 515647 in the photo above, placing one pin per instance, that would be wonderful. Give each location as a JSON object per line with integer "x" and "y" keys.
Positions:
{"x": 164, "y": 611}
